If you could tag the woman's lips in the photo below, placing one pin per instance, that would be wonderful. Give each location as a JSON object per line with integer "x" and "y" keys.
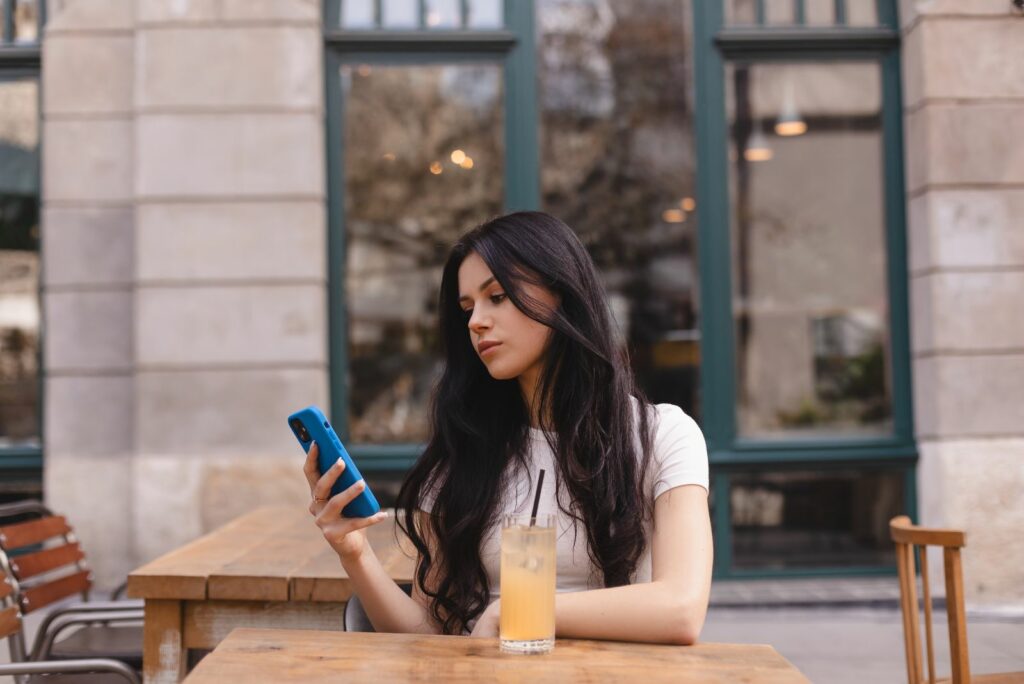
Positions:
{"x": 488, "y": 347}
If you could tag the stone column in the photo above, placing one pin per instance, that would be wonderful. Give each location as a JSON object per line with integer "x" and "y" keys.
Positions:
{"x": 230, "y": 306}
{"x": 87, "y": 284}
{"x": 184, "y": 251}
{"x": 964, "y": 101}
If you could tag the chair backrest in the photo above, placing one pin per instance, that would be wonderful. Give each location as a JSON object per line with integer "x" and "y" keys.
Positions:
{"x": 10, "y": 617}
{"x": 906, "y": 536}
{"x": 41, "y": 558}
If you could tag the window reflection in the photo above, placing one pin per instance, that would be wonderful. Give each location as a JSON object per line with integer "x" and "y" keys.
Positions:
{"x": 19, "y": 264}
{"x": 424, "y": 162}
{"x": 805, "y": 519}
{"x": 805, "y": 12}
{"x": 618, "y": 165}
{"x": 26, "y": 21}
{"x": 809, "y": 259}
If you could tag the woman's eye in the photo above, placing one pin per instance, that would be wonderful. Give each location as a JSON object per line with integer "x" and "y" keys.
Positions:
{"x": 497, "y": 298}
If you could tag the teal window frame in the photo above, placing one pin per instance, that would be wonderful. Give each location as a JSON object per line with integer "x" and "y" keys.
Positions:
{"x": 716, "y": 44}
{"x": 19, "y": 61}
{"x": 513, "y": 47}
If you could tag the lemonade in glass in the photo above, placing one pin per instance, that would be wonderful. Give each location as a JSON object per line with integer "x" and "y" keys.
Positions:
{"x": 528, "y": 584}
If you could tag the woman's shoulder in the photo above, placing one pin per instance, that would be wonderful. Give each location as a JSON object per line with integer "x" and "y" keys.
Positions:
{"x": 679, "y": 450}
{"x": 669, "y": 420}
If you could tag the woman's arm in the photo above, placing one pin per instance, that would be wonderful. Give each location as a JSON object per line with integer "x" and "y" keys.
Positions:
{"x": 387, "y": 606}
{"x": 669, "y": 609}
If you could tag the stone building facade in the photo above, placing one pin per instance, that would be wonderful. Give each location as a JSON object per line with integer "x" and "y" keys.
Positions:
{"x": 184, "y": 212}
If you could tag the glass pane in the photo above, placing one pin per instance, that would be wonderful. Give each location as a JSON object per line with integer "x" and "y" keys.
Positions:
{"x": 424, "y": 162}
{"x": 357, "y": 14}
{"x": 741, "y": 12}
{"x": 400, "y": 14}
{"x": 26, "y": 18}
{"x": 618, "y": 165}
{"x": 784, "y": 12}
{"x": 820, "y": 12}
{"x": 803, "y": 519}
{"x": 443, "y": 14}
{"x": 779, "y": 12}
{"x": 861, "y": 12}
{"x": 486, "y": 14}
{"x": 809, "y": 255}
{"x": 19, "y": 264}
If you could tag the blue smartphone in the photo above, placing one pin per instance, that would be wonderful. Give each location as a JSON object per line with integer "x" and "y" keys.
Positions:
{"x": 310, "y": 425}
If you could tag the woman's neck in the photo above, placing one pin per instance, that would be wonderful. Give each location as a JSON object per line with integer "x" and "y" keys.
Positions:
{"x": 529, "y": 383}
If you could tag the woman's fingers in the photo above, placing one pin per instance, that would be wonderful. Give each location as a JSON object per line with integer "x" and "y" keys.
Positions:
{"x": 322, "y": 487}
{"x": 310, "y": 467}
{"x": 339, "y": 527}
{"x": 339, "y": 501}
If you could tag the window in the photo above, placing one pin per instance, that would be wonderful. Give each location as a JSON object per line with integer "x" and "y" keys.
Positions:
{"x": 20, "y": 400}
{"x": 806, "y": 389}
{"x": 431, "y": 126}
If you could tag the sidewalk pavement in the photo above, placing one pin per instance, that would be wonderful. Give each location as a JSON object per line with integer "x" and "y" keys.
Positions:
{"x": 839, "y": 631}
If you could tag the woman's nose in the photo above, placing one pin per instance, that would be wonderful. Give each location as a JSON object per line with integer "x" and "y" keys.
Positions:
{"x": 479, "y": 322}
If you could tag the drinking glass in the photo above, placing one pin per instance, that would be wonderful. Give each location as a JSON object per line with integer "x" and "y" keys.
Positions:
{"x": 527, "y": 584}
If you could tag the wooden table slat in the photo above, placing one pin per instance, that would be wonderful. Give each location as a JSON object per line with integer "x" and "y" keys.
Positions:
{"x": 183, "y": 573}
{"x": 285, "y": 656}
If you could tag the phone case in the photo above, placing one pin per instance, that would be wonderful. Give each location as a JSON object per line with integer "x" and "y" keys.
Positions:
{"x": 331, "y": 449}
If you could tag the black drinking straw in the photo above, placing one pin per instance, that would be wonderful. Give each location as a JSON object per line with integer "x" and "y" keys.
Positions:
{"x": 536, "y": 497}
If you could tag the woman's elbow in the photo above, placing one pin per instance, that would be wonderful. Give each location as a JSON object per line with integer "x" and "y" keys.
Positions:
{"x": 686, "y": 623}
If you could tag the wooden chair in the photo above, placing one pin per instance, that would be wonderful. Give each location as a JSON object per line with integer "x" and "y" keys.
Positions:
{"x": 906, "y": 536}
{"x": 42, "y": 564}
{"x": 79, "y": 671}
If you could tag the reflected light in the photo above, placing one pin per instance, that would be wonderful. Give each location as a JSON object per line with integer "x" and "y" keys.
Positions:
{"x": 757, "y": 148}
{"x": 433, "y": 18}
{"x": 673, "y": 216}
{"x": 790, "y": 128}
{"x": 467, "y": 163}
{"x": 458, "y": 156}
{"x": 436, "y": 168}
{"x": 389, "y": 156}
{"x": 364, "y": 70}
{"x": 688, "y": 204}
{"x": 790, "y": 122}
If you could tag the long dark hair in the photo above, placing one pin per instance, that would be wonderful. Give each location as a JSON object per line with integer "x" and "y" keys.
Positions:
{"x": 479, "y": 425}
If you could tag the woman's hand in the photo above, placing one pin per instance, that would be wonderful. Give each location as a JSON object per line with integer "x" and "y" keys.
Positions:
{"x": 345, "y": 535}
{"x": 487, "y": 625}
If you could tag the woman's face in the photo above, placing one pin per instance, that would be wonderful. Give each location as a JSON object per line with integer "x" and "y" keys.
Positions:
{"x": 510, "y": 343}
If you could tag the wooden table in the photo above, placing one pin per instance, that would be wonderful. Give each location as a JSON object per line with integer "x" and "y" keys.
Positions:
{"x": 269, "y": 568}
{"x": 304, "y": 656}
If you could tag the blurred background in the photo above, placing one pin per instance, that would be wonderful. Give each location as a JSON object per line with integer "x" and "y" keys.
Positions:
{"x": 807, "y": 215}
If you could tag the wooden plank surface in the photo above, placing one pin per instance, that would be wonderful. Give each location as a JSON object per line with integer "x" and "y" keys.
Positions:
{"x": 263, "y": 572}
{"x": 207, "y": 623}
{"x": 32, "y": 532}
{"x": 270, "y": 554}
{"x": 184, "y": 573}
{"x": 322, "y": 578}
{"x": 257, "y": 655}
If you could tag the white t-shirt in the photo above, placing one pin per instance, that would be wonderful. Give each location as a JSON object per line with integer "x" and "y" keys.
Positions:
{"x": 679, "y": 458}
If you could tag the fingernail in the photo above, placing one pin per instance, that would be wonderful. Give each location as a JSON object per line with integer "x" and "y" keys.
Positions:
{"x": 383, "y": 514}
{"x": 361, "y": 484}
{"x": 340, "y": 462}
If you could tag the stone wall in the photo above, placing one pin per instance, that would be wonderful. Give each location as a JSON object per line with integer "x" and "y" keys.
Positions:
{"x": 185, "y": 273}
{"x": 964, "y": 104}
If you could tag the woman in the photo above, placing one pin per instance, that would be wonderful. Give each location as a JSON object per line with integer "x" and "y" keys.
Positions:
{"x": 534, "y": 379}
